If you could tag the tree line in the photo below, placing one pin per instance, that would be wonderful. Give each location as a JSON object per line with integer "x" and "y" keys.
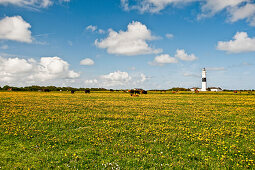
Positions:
{"x": 47, "y": 88}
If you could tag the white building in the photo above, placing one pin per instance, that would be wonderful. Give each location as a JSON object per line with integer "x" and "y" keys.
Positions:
{"x": 195, "y": 88}
{"x": 215, "y": 89}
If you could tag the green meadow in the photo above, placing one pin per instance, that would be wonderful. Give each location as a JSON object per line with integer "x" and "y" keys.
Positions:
{"x": 112, "y": 130}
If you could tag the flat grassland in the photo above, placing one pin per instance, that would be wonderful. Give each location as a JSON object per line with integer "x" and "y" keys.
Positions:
{"x": 104, "y": 130}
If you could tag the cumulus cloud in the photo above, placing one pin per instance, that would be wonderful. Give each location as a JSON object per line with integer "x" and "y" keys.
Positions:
{"x": 241, "y": 43}
{"x": 117, "y": 79}
{"x": 167, "y": 59}
{"x": 16, "y": 29}
{"x": 164, "y": 59}
{"x": 52, "y": 68}
{"x": 236, "y": 9}
{"x": 91, "y": 82}
{"x": 15, "y": 65}
{"x": 131, "y": 42}
{"x": 182, "y": 55}
{"x": 87, "y": 62}
{"x": 20, "y": 70}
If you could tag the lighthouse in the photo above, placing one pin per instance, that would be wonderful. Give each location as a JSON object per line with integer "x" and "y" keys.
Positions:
{"x": 204, "y": 86}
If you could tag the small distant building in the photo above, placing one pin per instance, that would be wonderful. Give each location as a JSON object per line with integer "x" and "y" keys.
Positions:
{"x": 215, "y": 89}
{"x": 195, "y": 88}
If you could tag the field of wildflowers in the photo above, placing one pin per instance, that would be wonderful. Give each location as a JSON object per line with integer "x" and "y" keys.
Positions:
{"x": 104, "y": 130}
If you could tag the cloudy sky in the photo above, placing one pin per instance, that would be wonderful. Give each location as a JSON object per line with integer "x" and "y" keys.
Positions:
{"x": 150, "y": 44}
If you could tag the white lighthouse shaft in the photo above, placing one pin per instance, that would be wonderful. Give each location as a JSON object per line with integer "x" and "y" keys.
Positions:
{"x": 204, "y": 85}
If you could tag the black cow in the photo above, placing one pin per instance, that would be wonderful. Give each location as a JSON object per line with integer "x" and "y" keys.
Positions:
{"x": 137, "y": 92}
{"x": 46, "y": 90}
{"x": 72, "y": 91}
{"x": 87, "y": 91}
{"x": 144, "y": 92}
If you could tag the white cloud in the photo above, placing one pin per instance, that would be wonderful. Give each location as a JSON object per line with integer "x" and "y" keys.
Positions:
{"x": 211, "y": 7}
{"x": 15, "y": 65}
{"x": 163, "y": 59}
{"x": 152, "y": 6}
{"x": 182, "y": 55}
{"x": 169, "y": 36}
{"x": 65, "y": 0}
{"x": 143, "y": 77}
{"x": 18, "y": 70}
{"x": 167, "y": 59}
{"x": 91, "y": 82}
{"x": 244, "y": 12}
{"x": 236, "y": 9}
{"x": 33, "y": 3}
{"x": 241, "y": 43}
{"x": 87, "y": 62}
{"x": 125, "y": 5}
{"x": 52, "y": 68}
{"x": 91, "y": 28}
{"x": 16, "y": 29}
{"x": 118, "y": 79}
{"x": 46, "y": 3}
{"x": 130, "y": 42}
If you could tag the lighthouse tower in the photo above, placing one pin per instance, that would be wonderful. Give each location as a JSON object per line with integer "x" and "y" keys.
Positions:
{"x": 204, "y": 85}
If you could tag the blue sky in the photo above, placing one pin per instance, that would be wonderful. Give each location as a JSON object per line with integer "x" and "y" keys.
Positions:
{"x": 127, "y": 44}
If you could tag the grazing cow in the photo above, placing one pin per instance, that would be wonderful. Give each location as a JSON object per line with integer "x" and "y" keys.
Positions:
{"x": 46, "y": 90}
{"x": 72, "y": 91}
{"x": 134, "y": 92}
{"x": 87, "y": 91}
{"x": 137, "y": 92}
{"x": 144, "y": 92}
{"x": 131, "y": 91}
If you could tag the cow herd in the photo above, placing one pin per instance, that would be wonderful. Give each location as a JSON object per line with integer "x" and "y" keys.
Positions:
{"x": 132, "y": 92}
{"x": 86, "y": 91}
{"x": 137, "y": 92}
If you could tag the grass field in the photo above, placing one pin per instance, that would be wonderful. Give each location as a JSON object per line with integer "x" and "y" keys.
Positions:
{"x": 116, "y": 131}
